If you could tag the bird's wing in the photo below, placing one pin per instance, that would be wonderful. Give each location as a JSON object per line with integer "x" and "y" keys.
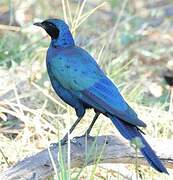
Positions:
{"x": 107, "y": 95}
{"x": 86, "y": 80}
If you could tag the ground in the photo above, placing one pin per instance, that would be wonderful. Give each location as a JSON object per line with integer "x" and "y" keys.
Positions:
{"x": 131, "y": 41}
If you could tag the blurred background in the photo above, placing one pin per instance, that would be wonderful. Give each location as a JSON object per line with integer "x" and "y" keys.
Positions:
{"x": 132, "y": 42}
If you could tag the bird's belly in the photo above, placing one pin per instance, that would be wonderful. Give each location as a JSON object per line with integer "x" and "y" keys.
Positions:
{"x": 65, "y": 94}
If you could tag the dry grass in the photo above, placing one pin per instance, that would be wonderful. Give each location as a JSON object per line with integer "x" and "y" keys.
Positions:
{"x": 131, "y": 53}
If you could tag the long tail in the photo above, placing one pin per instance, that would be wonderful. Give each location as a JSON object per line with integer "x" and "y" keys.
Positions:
{"x": 130, "y": 132}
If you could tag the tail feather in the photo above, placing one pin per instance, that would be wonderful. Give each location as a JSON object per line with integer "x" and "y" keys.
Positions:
{"x": 130, "y": 132}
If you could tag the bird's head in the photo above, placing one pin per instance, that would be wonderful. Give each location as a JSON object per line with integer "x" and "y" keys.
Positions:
{"x": 58, "y": 30}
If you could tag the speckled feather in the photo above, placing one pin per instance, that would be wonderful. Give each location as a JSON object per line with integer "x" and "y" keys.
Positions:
{"x": 79, "y": 74}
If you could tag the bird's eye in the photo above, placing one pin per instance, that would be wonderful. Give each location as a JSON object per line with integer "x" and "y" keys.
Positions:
{"x": 50, "y": 25}
{"x": 51, "y": 29}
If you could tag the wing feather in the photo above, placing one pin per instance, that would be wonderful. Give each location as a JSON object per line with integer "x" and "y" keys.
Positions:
{"x": 107, "y": 95}
{"x": 78, "y": 72}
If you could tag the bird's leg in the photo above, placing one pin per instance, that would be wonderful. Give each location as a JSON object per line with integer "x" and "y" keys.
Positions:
{"x": 86, "y": 134}
{"x": 92, "y": 124}
{"x": 64, "y": 140}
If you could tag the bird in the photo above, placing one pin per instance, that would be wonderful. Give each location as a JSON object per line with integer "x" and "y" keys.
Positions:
{"x": 79, "y": 81}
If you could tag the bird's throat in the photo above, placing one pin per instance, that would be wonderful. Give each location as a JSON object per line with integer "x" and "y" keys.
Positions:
{"x": 65, "y": 39}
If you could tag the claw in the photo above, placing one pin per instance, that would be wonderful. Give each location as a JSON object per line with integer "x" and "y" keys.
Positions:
{"x": 85, "y": 136}
{"x": 53, "y": 144}
{"x": 64, "y": 140}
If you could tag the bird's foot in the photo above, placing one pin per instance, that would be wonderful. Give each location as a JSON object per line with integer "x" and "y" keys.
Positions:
{"x": 87, "y": 136}
{"x": 62, "y": 142}
{"x": 74, "y": 140}
{"x": 65, "y": 140}
{"x": 53, "y": 144}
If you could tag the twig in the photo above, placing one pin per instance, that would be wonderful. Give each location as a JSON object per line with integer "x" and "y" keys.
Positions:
{"x": 9, "y": 28}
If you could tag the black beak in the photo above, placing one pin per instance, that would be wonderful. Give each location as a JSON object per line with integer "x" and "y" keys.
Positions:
{"x": 38, "y": 24}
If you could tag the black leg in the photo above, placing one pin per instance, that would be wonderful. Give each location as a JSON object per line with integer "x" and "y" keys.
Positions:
{"x": 64, "y": 140}
{"x": 92, "y": 124}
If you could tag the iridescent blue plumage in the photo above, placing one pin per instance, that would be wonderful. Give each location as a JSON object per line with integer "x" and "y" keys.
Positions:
{"x": 79, "y": 81}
